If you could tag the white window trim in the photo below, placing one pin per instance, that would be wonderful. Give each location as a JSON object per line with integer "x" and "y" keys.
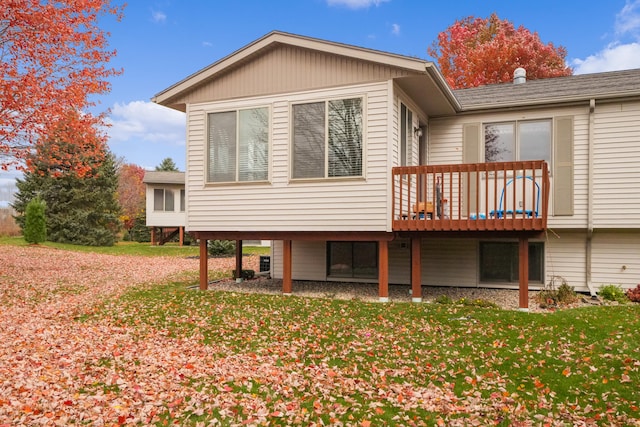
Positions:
{"x": 237, "y": 169}
{"x": 326, "y": 100}
{"x": 516, "y": 123}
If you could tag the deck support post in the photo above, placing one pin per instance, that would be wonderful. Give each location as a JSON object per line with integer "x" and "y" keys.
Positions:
{"x": 153, "y": 236}
{"x": 238, "y": 271}
{"x": 383, "y": 271}
{"x": 181, "y": 235}
{"x": 523, "y": 272}
{"x": 287, "y": 281}
{"x": 204, "y": 265}
{"x": 416, "y": 273}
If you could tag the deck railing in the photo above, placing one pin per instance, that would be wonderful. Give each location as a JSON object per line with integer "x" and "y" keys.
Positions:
{"x": 508, "y": 196}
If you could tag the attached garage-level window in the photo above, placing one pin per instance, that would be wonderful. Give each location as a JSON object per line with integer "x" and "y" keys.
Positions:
{"x": 523, "y": 140}
{"x": 352, "y": 259}
{"x": 238, "y": 146}
{"x": 499, "y": 262}
{"x": 327, "y": 139}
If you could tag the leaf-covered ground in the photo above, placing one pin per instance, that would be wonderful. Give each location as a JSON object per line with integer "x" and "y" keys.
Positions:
{"x": 88, "y": 339}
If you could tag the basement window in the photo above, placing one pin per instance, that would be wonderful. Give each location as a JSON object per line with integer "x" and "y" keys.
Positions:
{"x": 499, "y": 262}
{"x": 350, "y": 260}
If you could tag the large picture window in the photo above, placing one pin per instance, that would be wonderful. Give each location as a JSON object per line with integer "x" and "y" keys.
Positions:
{"x": 523, "y": 140}
{"x": 499, "y": 262}
{"x": 238, "y": 145}
{"x": 327, "y": 139}
{"x": 352, "y": 260}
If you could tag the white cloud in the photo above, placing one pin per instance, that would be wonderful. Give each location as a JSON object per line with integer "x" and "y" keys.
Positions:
{"x": 356, "y": 4}
{"x": 207, "y": 44}
{"x": 628, "y": 19}
{"x": 621, "y": 54}
{"x": 395, "y": 29}
{"x": 145, "y": 133}
{"x": 613, "y": 57}
{"x": 158, "y": 17}
{"x": 146, "y": 121}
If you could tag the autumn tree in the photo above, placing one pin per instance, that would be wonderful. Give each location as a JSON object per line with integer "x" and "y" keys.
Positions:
{"x": 477, "y": 51}
{"x": 75, "y": 175}
{"x": 167, "y": 165}
{"x": 54, "y": 56}
{"x": 131, "y": 193}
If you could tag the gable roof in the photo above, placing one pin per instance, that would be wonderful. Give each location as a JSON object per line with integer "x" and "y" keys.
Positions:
{"x": 256, "y": 66}
{"x": 163, "y": 177}
{"x": 570, "y": 89}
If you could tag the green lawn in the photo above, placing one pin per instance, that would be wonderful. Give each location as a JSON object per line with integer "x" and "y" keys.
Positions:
{"x": 232, "y": 359}
{"x": 133, "y": 248}
{"x": 374, "y": 364}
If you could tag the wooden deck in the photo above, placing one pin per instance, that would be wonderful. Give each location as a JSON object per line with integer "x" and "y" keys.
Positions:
{"x": 500, "y": 196}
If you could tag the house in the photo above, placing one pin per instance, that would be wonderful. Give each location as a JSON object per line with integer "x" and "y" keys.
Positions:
{"x": 366, "y": 166}
{"x": 165, "y": 203}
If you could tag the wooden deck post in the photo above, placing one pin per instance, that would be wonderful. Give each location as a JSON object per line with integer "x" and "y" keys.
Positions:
{"x": 153, "y": 236}
{"x": 204, "y": 265}
{"x": 181, "y": 235}
{"x": 383, "y": 271}
{"x": 286, "y": 267}
{"x": 416, "y": 272}
{"x": 523, "y": 272}
{"x": 238, "y": 272}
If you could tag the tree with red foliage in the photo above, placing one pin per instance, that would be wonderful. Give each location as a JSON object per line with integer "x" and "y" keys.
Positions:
{"x": 476, "y": 51}
{"x": 74, "y": 173}
{"x": 131, "y": 193}
{"x": 73, "y": 146}
{"x": 54, "y": 57}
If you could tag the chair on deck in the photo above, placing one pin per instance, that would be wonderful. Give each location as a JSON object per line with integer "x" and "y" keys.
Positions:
{"x": 503, "y": 210}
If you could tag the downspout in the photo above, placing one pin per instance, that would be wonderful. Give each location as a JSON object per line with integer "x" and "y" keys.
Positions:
{"x": 592, "y": 108}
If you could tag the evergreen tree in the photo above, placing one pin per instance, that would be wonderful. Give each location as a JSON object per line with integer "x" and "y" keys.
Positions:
{"x": 82, "y": 207}
{"x": 167, "y": 165}
{"x": 35, "y": 228}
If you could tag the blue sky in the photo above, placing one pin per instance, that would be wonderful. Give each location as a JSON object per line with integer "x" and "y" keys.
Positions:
{"x": 160, "y": 42}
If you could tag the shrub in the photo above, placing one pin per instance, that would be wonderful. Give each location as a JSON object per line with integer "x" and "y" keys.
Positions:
{"x": 566, "y": 294}
{"x": 246, "y": 274}
{"x": 222, "y": 247}
{"x": 613, "y": 293}
{"x": 634, "y": 294}
{"x": 552, "y": 297}
{"x": 444, "y": 299}
{"x": 35, "y": 227}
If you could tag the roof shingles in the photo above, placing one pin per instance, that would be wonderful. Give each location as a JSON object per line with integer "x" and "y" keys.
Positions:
{"x": 607, "y": 85}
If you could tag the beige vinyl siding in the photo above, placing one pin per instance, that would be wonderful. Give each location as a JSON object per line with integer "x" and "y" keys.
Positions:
{"x": 309, "y": 260}
{"x": 616, "y": 164}
{"x": 445, "y": 262}
{"x": 286, "y": 69}
{"x": 400, "y": 261}
{"x": 445, "y": 141}
{"x": 616, "y": 259}
{"x": 350, "y": 204}
{"x": 449, "y": 262}
{"x": 565, "y": 257}
{"x": 446, "y": 147}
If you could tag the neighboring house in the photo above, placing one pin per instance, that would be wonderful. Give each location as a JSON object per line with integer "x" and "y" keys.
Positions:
{"x": 363, "y": 165}
{"x": 165, "y": 198}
